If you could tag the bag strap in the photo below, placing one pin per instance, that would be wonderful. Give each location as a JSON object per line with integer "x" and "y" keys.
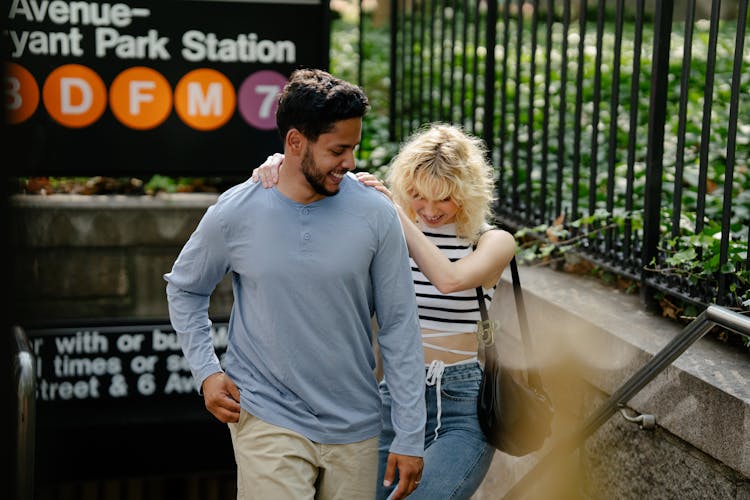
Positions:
{"x": 535, "y": 380}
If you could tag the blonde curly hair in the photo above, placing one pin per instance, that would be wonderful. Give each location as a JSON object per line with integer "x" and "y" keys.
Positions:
{"x": 439, "y": 162}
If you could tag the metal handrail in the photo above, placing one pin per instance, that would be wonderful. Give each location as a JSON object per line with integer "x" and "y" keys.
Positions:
{"x": 23, "y": 371}
{"x": 711, "y": 316}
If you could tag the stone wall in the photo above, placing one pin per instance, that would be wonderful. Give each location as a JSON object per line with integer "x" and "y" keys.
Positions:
{"x": 83, "y": 257}
{"x": 93, "y": 257}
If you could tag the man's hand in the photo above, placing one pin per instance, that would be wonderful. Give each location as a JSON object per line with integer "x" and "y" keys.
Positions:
{"x": 409, "y": 474}
{"x": 222, "y": 398}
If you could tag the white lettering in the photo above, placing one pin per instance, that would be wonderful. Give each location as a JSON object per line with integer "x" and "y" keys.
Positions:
{"x": 106, "y": 38}
{"x": 164, "y": 341}
{"x": 143, "y": 364}
{"x": 21, "y": 8}
{"x": 270, "y": 92}
{"x": 58, "y": 12}
{"x": 146, "y": 384}
{"x": 18, "y": 43}
{"x": 199, "y": 46}
{"x": 137, "y": 96}
{"x": 13, "y": 99}
{"x": 47, "y": 44}
{"x": 204, "y": 105}
{"x": 67, "y": 107}
{"x": 65, "y": 366}
{"x": 193, "y": 49}
{"x": 82, "y": 389}
{"x": 150, "y": 46}
{"x": 83, "y": 342}
{"x": 179, "y": 384}
{"x": 83, "y": 13}
{"x": 130, "y": 343}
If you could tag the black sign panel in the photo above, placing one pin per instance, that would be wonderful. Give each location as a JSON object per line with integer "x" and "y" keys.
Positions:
{"x": 124, "y": 392}
{"x": 152, "y": 86}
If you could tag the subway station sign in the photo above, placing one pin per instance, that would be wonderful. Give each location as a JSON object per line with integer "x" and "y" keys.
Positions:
{"x": 185, "y": 87}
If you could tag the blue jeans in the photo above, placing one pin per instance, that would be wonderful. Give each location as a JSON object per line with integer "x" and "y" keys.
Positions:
{"x": 456, "y": 462}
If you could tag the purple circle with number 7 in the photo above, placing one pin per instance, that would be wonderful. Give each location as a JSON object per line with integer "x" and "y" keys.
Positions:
{"x": 258, "y": 98}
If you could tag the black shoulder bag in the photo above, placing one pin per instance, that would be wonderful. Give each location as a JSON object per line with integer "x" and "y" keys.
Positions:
{"x": 515, "y": 417}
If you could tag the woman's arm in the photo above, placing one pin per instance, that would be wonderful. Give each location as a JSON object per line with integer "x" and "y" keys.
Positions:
{"x": 493, "y": 253}
{"x": 483, "y": 266}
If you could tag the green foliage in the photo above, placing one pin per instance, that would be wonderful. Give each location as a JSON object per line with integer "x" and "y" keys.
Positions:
{"x": 165, "y": 184}
{"x": 161, "y": 183}
{"x": 696, "y": 257}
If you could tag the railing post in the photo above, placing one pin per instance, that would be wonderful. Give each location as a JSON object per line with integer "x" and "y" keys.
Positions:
{"x": 25, "y": 432}
{"x": 392, "y": 71}
{"x": 488, "y": 119}
{"x": 361, "y": 46}
{"x": 655, "y": 146}
{"x": 734, "y": 104}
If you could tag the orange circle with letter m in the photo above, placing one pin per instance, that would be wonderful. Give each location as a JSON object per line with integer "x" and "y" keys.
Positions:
{"x": 205, "y": 99}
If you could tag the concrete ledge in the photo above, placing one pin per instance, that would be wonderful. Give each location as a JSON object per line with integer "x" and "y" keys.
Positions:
{"x": 122, "y": 202}
{"x": 63, "y": 220}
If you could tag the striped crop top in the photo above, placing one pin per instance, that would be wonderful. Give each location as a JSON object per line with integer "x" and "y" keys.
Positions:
{"x": 456, "y": 312}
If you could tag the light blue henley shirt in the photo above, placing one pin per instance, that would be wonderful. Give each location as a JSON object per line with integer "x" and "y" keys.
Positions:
{"x": 307, "y": 280}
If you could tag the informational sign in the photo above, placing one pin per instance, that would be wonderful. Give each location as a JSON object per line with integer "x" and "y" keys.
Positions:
{"x": 78, "y": 366}
{"x": 146, "y": 86}
{"x": 125, "y": 388}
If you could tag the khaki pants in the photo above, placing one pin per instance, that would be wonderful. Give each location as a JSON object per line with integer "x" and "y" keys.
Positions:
{"x": 279, "y": 464}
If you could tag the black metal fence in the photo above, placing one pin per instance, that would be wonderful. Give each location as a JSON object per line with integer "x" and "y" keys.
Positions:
{"x": 617, "y": 131}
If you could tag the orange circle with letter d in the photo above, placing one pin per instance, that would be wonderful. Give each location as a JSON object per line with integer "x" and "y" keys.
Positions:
{"x": 74, "y": 95}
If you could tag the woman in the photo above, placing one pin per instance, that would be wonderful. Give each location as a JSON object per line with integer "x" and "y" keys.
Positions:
{"x": 442, "y": 187}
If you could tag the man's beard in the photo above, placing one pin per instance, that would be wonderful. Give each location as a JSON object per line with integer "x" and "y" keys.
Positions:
{"x": 313, "y": 175}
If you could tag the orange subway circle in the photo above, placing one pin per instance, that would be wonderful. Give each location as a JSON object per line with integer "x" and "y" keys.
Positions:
{"x": 140, "y": 98}
{"x": 21, "y": 93}
{"x": 74, "y": 95}
{"x": 204, "y": 99}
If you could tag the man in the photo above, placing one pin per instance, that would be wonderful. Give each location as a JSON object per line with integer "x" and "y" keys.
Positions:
{"x": 311, "y": 261}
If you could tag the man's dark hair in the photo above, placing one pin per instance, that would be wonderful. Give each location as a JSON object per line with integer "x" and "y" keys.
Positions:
{"x": 314, "y": 100}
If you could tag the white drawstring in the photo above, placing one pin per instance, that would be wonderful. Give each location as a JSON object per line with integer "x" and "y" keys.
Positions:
{"x": 434, "y": 376}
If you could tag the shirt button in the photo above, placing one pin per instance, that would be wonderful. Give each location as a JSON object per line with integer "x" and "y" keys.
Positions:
{"x": 307, "y": 236}
{"x": 305, "y": 211}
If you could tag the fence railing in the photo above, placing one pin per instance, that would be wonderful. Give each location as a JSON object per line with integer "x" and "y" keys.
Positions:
{"x": 620, "y": 129}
